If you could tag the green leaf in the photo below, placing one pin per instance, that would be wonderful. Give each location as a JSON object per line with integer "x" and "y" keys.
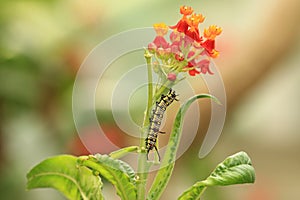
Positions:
{"x": 64, "y": 174}
{"x": 194, "y": 192}
{"x": 119, "y": 173}
{"x": 163, "y": 175}
{"x": 236, "y": 169}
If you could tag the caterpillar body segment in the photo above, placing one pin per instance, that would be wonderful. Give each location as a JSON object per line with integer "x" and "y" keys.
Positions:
{"x": 156, "y": 119}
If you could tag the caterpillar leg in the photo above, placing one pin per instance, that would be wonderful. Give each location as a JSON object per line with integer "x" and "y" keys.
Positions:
{"x": 148, "y": 154}
{"x": 157, "y": 152}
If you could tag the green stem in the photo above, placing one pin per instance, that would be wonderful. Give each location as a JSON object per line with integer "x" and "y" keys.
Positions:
{"x": 123, "y": 152}
{"x": 142, "y": 160}
{"x": 150, "y": 88}
{"x": 162, "y": 89}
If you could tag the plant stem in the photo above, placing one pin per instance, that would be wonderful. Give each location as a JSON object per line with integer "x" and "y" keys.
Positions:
{"x": 142, "y": 161}
{"x": 161, "y": 90}
{"x": 123, "y": 152}
{"x": 150, "y": 88}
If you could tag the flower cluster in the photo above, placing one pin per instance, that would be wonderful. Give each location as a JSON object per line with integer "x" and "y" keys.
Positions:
{"x": 187, "y": 50}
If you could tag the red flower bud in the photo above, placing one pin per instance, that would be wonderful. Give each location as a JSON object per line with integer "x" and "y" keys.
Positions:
{"x": 172, "y": 76}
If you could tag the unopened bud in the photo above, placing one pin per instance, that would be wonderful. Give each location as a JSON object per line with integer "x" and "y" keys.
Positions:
{"x": 172, "y": 76}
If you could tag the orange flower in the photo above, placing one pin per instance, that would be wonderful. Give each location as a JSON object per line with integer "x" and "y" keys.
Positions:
{"x": 209, "y": 46}
{"x": 212, "y": 32}
{"x": 193, "y": 22}
{"x": 214, "y": 53}
{"x": 182, "y": 26}
{"x": 161, "y": 29}
{"x": 186, "y": 10}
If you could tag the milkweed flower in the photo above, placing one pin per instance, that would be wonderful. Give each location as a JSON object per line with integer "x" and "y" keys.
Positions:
{"x": 203, "y": 66}
{"x": 193, "y": 22}
{"x": 188, "y": 50}
{"x": 192, "y": 70}
{"x": 182, "y": 25}
{"x": 209, "y": 44}
{"x": 161, "y": 30}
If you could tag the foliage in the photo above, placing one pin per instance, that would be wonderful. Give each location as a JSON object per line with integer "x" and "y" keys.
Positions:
{"x": 80, "y": 177}
{"x": 186, "y": 53}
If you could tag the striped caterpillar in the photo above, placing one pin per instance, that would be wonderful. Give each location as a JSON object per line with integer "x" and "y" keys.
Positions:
{"x": 156, "y": 118}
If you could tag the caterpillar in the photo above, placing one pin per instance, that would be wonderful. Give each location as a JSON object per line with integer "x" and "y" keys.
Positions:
{"x": 156, "y": 118}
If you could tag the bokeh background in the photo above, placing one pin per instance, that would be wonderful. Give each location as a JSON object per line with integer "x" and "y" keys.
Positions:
{"x": 43, "y": 43}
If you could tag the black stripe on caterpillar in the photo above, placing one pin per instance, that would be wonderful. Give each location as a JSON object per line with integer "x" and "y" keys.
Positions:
{"x": 156, "y": 119}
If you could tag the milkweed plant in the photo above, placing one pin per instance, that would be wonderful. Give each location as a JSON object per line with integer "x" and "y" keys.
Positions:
{"x": 172, "y": 55}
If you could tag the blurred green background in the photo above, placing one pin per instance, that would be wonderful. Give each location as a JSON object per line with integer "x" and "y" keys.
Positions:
{"x": 43, "y": 43}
